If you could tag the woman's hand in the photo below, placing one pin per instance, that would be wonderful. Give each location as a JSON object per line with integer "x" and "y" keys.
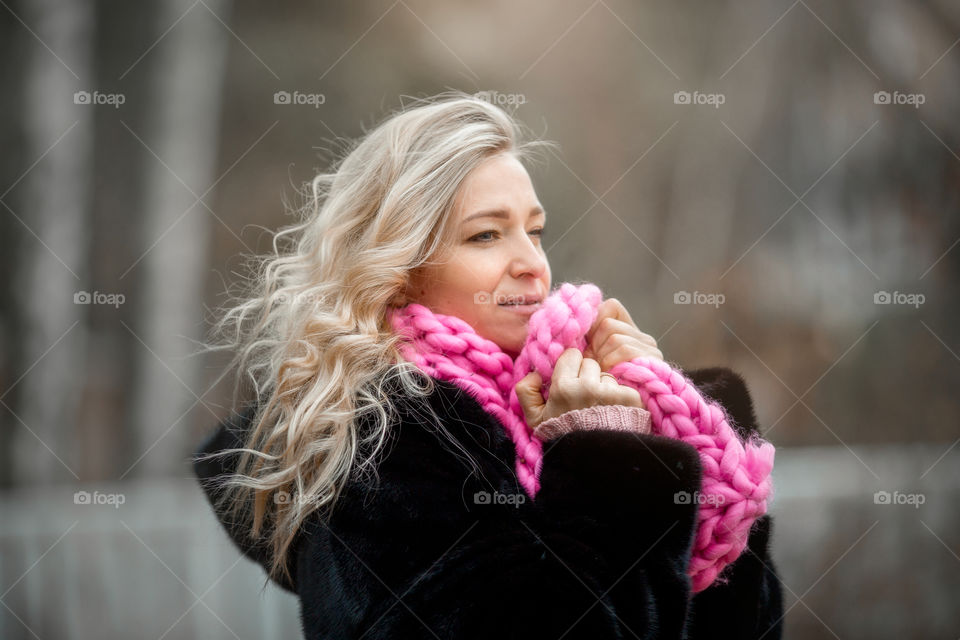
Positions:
{"x": 576, "y": 384}
{"x": 614, "y": 338}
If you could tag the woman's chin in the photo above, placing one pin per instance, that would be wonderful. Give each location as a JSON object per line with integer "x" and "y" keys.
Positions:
{"x": 512, "y": 348}
{"x": 510, "y": 344}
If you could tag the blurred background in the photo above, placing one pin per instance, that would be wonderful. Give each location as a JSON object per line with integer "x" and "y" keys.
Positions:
{"x": 769, "y": 186}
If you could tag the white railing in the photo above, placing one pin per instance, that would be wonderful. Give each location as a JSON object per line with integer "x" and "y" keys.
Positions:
{"x": 134, "y": 570}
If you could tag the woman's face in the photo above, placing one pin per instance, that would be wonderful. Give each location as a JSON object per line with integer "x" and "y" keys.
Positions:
{"x": 495, "y": 260}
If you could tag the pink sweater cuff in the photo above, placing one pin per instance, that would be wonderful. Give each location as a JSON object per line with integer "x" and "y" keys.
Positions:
{"x": 614, "y": 417}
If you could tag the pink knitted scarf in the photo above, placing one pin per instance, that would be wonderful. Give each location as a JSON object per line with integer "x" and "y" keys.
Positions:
{"x": 736, "y": 474}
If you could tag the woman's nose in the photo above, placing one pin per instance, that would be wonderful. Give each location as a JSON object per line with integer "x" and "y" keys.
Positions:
{"x": 529, "y": 259}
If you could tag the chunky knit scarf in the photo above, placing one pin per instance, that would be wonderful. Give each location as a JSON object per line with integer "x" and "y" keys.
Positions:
{"x": 736, "y": 474}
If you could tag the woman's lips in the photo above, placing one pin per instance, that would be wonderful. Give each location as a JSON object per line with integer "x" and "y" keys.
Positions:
{"x": 522, "y": 309}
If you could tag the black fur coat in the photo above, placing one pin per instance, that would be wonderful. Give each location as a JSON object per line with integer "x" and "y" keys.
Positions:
{"x": 434, "y": 548}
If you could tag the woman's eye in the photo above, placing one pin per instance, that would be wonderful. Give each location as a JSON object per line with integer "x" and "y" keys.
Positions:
{"x": 480, "y": 236}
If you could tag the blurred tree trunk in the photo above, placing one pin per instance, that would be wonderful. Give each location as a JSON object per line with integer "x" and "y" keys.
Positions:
{"x": 183, "y": 132}
{"x": 705, "y": 190}
{"x": 54, "y": 216}
{"x": 12, "y": 164}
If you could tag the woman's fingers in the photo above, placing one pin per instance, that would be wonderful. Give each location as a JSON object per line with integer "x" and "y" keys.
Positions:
{"x": 577, "y": 382}
{"x": 630, "y": 397}
{"x": 568, "y": 364}
{"x": 530, "y": 398}
{"x": 590, "y": 371}
{"x": 608, "y": 379}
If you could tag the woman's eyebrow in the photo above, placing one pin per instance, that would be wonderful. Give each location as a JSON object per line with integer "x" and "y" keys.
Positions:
{"x": 503, "y": 213}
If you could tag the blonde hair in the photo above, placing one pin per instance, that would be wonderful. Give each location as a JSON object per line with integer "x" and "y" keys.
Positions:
{"x": 312, "y": 335}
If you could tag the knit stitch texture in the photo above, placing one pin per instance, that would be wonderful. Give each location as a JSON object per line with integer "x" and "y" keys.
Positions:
{"x": 611, "y": 417}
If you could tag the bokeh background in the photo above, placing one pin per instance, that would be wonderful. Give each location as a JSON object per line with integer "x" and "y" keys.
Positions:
{"x": 769, "y": 186}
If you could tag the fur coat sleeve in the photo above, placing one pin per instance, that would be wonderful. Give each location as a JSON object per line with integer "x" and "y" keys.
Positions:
{"x": 444, "y": 542}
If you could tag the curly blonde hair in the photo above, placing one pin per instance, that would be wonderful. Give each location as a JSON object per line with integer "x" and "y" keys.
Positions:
{"x": 311, "y": 335}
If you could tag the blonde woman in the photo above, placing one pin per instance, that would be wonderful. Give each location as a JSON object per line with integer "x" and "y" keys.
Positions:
{"x": 388, "y": 500}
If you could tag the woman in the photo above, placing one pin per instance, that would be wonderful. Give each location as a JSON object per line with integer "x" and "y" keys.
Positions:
{"x": 387, "y": 499}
